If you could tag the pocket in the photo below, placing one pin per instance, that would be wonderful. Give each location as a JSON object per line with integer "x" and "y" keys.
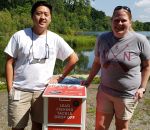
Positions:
{"x": 14, "y": 94}
{"x": 11, "y": 94}
{"x": 11, "y": 91}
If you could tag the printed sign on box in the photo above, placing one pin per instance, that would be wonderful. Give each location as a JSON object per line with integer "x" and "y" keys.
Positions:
{"x": 64, "y": 110}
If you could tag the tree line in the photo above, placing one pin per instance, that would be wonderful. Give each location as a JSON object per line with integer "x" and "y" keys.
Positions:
{"x": 68, "y": 17}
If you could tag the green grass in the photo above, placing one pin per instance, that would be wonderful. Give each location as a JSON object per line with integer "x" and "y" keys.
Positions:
{"x": 146, "y": 101}
{"x": 2, "y": 85}
{"x": 80, "y": 41}
{"x": 91, "y": 110}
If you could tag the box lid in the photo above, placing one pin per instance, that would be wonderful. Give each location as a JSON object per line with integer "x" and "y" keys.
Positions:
{"x": 65, "y": 91}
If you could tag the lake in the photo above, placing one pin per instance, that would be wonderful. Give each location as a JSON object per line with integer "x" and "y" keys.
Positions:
{"x": 89, "y": 54}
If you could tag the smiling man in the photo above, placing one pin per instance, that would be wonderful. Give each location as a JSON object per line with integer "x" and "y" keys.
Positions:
{"x": 31, "y": 56}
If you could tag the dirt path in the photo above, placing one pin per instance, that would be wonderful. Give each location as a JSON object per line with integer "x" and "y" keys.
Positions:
{"x": 140, "y": 120}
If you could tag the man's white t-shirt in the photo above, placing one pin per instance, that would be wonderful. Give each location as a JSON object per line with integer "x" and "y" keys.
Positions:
{"x": 35, "y": 57}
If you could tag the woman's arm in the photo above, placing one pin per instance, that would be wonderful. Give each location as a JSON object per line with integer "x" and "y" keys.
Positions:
{"x": 95, "y": 69}
{"x": 144, "y": 79}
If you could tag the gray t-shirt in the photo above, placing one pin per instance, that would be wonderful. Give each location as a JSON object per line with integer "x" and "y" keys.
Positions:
{"x": 121, "y": 62}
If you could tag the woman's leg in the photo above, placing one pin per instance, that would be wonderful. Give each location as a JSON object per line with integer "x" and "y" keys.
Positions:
{"x": 122, "y": 124}
{"x": 103, "y": 120}
{"x": 104, "y": 111}
{"x": 124, "y": 109}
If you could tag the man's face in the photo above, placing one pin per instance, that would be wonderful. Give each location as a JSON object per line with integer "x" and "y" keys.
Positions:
{"x": 41, "y": 17}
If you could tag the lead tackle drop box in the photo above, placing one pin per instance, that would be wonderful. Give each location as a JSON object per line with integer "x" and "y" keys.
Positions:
{"x": 64, "y": 107}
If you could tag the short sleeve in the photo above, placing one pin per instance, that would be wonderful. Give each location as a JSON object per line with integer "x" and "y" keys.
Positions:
{"x": 64, "y": 49}
{"x": 145, "y": 48}
{"x": 11, "y": 48}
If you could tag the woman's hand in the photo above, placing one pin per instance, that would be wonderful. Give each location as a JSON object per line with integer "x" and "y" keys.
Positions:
{"x": 139, "y": 94}
{"x": 85, "y": 83}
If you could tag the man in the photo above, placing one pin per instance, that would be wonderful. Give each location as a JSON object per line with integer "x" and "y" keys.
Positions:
{"x": 31, "y": 56}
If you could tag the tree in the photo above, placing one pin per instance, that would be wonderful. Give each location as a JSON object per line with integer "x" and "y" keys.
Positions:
{"x": 138, "y": 26}
{"x": 146, "y": 26}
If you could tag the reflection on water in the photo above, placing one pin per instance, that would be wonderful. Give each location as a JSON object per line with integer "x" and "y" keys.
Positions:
{"x": 90, "y": 55}
{"x": 86, "y": 57}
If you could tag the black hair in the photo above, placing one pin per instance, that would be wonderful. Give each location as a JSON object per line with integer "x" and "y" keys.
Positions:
{"x": 128, "y": 10}
{"x": 40, "y": 3}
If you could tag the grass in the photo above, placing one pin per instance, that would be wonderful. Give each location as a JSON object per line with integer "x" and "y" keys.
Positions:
{"x": 80, "y": 41}
{"x": 91, "y": 110}
{"x": 147, "y": 101}
{"x": 2, "y": 85}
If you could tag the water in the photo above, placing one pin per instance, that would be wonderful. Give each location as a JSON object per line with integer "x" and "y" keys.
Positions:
{"x": 90, "y": 54}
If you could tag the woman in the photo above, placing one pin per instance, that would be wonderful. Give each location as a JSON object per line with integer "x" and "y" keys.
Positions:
{"x": 120, "y": 54}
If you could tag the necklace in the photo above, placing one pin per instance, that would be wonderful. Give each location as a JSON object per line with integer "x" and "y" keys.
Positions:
{"x": 31, "y": 52}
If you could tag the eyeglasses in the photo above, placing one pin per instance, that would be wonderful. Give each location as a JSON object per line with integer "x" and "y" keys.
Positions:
{"x": 123, "y": 7}
{"x": 41, "y": 60}
{"x": 35, "y": 59}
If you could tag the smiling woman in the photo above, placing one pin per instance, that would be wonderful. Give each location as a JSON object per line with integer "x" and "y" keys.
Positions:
{"x": 124, "y": 59}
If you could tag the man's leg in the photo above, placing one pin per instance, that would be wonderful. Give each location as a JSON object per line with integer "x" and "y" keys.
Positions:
{"x": 36, "y": 126}
{"x": 37, "y": 111}
{"x": 18, "y": 109}
{"x": 17, "y": 129}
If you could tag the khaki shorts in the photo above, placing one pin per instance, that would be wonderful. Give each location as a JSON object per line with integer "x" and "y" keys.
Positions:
{"x": 21, "y": 104}
{"x": 122, "y": 108}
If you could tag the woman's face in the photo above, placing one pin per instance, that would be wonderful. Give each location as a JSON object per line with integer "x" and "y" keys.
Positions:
{"x": 41, "y": 18}
{"x": 121, "y": 23}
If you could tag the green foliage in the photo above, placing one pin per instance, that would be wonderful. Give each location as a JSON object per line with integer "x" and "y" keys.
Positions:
{"x": 7, "y": 24}
{"x": 80, "y": 41}
{"x": 96, "y": 80}
{"x": 69, "y": 17}
{"x": 146, "y": 26}
{"x": 2, "y": 84}
{"x": 138, "y": 26}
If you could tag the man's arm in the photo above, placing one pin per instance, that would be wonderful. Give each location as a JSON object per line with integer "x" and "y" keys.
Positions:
{"x": 71, "y": 61}
{"x": 9, "y": 71}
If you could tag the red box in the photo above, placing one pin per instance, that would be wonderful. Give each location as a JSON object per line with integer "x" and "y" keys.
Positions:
{"x": 63, "y": 128}
{"x": 64, "y": 107}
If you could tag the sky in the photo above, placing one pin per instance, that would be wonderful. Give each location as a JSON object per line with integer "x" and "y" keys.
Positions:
{"x": 140, "y": 8}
